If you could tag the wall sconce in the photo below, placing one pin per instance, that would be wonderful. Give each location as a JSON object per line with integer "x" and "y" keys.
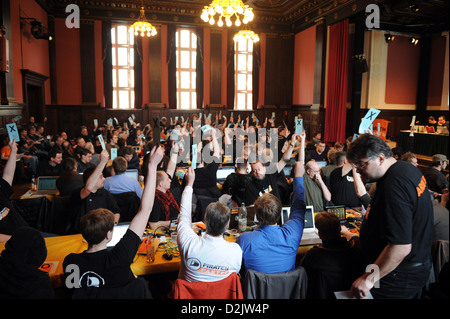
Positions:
{"x": 38, "y": 30}
{"x": 413, "y": 40}
{"x": 388, "y": 37}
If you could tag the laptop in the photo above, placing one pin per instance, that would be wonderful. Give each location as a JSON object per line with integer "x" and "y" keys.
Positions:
{"x": 442, "y": 130}
{"x": 430, "y": 129}
{"x": 223, "y": 172}
{"x": 118, "y": 232}
{"x": 133, "y": 173}
{"x": 322, "y": 163}
{"x": 341, "y": 212}
{"x": 309, "y": 227}
{"x": 46, "y": 185}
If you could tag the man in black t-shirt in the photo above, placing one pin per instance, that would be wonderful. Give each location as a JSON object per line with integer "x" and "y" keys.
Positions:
{"x": 261, "y": 183}
{"x": 92, "y": 195}
{"x": 342, "y": 186}
{"x": 397, "y": 231}
{"x": 102, "y": 273}
{"x": 52, "y": 166}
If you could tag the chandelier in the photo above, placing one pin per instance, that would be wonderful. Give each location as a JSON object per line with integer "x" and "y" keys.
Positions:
{"x": 226, "y": 9}
{"x": 246, "y": 35}
{"x": 142, "y": 26}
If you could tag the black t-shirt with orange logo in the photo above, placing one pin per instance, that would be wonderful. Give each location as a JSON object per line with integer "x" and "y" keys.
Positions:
{"x": 400, "y": 213}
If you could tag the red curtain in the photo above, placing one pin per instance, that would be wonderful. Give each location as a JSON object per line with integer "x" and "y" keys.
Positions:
{"x": 336, "y": 103}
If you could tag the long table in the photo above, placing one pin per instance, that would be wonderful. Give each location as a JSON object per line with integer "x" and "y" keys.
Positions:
{"x": 425, "y": 143}
{"x": 60, "y": 246}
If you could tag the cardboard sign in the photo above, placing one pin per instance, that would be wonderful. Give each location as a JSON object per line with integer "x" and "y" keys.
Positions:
{"x": 299, "y": 126}
{"x": 156, "y": 130}
{"x": 13, "y": 132}
{"x": 194, "y": 156}
{"x": 102, "y": 142}
{"x": 370, "y": 116}
{"x": 113, "y": 153}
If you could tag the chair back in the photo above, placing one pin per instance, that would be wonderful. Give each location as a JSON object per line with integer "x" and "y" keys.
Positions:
{"x": 60, "y": 214}
{"x": 440, "y": 255}
{"x": 285, "y": 285}
{"x": 128, "y": 203}
{"x": 228, "y": 288}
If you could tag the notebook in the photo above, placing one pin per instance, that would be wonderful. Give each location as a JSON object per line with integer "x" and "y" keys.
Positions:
{"x": 46, "y": 185}
{"x": 118, "y": 232}
{"x": 133, "y": 173}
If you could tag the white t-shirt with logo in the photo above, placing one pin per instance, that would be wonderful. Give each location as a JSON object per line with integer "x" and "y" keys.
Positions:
{"x": 207, "y": 258}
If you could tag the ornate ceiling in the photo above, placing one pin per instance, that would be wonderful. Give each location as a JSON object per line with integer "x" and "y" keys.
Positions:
{"x": 270, "y": 15}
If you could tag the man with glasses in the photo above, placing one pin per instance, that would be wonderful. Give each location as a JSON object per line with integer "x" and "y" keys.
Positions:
{"x": 317, "y": 193}
{"x": 397, "y": 231}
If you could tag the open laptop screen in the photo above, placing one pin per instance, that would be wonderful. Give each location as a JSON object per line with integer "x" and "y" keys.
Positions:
{"x": 47, "y": 182}
{"x": 309, "y": 219}
{"x": 223, "y": 172}
{"x": 118, "y": 232}
{"x": 339, "y": 211}
{"x": 133, "y": 173}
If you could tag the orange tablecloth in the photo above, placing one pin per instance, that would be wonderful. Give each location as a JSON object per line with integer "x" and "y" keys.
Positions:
{"x": 59, "y": 247}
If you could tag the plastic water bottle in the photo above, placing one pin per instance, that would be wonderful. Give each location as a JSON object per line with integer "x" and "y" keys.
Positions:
{"x": 33, "y": 183}
{"x": 242, "y": 221}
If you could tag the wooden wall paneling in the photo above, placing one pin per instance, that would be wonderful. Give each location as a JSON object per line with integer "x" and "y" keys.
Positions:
{"x": 52, "y": 62}
{"x": 70, "y": 119}
{"x": 154, "y": 65}
{"x": 279, "y": 70}
{"x": 216, "y": 67}
{"x": 320, "y": 63}
{"x": 87, "y": 56}
{"x": 52, "y": 126}
{"x": 107, "y": 63}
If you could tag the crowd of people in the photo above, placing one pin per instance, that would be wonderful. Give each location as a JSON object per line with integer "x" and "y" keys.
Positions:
{"x": 405, "y": 209}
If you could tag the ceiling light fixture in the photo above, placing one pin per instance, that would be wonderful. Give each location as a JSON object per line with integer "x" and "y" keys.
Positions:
{"x": 142, "y": 27}
{"x": 226, "y": 9}
{"x": 246, "y": 34}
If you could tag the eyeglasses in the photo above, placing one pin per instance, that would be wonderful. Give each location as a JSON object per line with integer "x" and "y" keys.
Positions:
{"x": 362, "y": 164}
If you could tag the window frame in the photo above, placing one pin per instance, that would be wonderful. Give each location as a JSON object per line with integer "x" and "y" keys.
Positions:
{"x": 116, "y": 68}
{"x": 247, "y": 72}
{"x": 191, "y": 88}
